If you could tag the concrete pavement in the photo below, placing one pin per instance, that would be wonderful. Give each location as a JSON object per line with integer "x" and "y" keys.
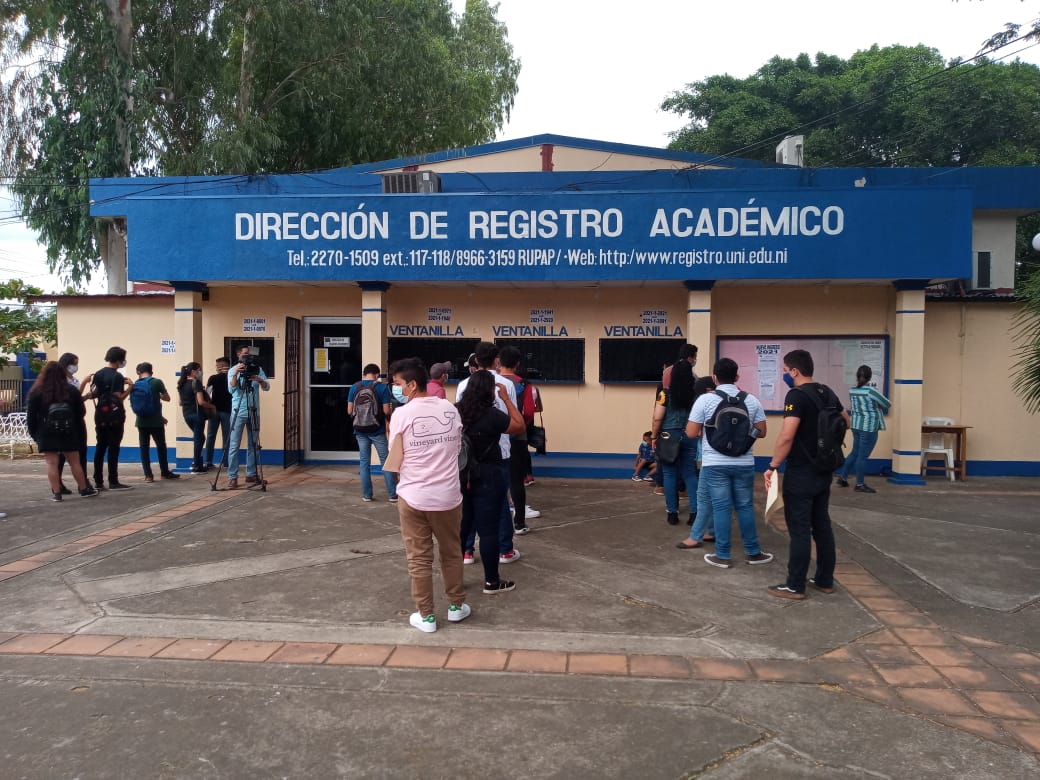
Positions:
{"x": 175, "y": 631}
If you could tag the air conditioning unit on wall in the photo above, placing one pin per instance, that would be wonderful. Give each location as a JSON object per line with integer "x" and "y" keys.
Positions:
{"x": 791, "y": 151}
{"x": 411, "y": 182}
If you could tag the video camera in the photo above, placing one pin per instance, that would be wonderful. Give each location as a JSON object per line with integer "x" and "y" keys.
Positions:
{"x": 250, "y": 363}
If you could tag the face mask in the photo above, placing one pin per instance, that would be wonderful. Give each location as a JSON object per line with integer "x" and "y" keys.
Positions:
{"x": 73, "y": 368}
{"x": 788, "y": 380}
{"x": 399, "y": 395}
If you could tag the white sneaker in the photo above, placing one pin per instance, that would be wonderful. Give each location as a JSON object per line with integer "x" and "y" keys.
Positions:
{"x": 460, "y": 613}
{"x": 427, "y": 625}
{"x": 510, "y": 557}
{"x": 530, "y": 514}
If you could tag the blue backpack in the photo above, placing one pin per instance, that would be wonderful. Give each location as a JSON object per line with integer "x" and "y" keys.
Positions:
{"x": 142, "y": 400}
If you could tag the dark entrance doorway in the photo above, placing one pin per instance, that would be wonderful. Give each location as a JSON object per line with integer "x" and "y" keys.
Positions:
{"x": 333, "y": 364}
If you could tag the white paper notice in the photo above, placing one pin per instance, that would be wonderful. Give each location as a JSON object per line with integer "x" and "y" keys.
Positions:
{"x": 768, "y": 369}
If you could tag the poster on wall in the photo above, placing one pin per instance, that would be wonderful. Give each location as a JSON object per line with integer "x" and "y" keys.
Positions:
{"x": 761, "y": 363}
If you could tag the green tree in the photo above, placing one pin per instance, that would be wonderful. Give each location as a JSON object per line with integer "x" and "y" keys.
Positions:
{"x": 893, "y": 106}
{"x": 230, "y": 86}
{"x": 883, "y": 106}
{"x": 23, "y": 325}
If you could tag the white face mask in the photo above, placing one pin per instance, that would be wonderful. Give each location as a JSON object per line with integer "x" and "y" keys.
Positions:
{"x": 73, "y": 368}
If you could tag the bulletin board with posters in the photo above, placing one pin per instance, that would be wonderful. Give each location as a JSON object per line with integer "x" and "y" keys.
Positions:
{"x": 835, "y": 360}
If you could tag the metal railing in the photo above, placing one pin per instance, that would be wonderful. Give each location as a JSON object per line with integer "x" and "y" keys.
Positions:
{"x": 11, "y": 396}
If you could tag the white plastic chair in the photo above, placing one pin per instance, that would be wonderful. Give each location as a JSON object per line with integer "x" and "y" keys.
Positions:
{"x": 14, "y": 431}
{"x": 936, "y": 445}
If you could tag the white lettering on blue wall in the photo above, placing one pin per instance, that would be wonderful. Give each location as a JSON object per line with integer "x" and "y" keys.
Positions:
{"x": 545, "y": 223}
{"x": 749, "y": 221}
{"x": 628, "y": 331}
{"x": 308, "y": 226}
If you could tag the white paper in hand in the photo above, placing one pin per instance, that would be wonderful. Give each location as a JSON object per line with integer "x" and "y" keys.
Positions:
{"x": 774, "y": 501}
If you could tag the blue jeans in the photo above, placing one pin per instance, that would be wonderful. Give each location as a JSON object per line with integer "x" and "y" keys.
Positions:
{"x": 239, "y": 423}
{"x": 365, "y": 442}
{"x": 705, "y": 514}
{"x": 197, "y": 423}
{"x": 862, "y": 445}
{"x": 685, "y": 468}
{"x": 482, "y": 513}
{"x": 223, "y": 422}
{"x": 807, "y": 495}
{"x": 732, "y": 487}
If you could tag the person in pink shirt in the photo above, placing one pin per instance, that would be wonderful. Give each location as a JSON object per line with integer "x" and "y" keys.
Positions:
{"x": 430, "y": 505}
{"x": 439, "y": 374}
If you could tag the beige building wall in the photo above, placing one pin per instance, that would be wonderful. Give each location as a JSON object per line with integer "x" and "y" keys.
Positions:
{"x": 564, "y": 158}
{"x": 88, "y": 326}
{"x": 583, "y": 418}
{"x": 969, "y": 361}
{"x": 965, "y": 346}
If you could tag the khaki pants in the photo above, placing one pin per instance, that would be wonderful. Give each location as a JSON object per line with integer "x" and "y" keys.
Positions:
{"x": 418, "y": 529}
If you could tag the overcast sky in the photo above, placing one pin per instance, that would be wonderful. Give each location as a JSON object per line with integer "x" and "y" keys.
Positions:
{"x": 600, "y": 69}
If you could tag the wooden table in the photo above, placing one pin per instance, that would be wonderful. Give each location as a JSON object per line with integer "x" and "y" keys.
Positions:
{"x": 960, "y": 447}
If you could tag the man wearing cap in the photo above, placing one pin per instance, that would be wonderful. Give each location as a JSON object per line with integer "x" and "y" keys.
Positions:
{"x": 439, "y": 374}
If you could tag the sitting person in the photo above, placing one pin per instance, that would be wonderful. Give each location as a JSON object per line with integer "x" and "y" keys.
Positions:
{"x": 645, "y": 459}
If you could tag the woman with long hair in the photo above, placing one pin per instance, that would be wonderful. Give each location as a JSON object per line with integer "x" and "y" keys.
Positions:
{"x": 484, "y": 494}
{"x": 55, "y": 413}
{"x": 701, "y": 520}
{"x": 670, "y": 415}
{"x": 868, "y": 417}
{"x": 69, "y": 363}
{"x": 193, "y": 401}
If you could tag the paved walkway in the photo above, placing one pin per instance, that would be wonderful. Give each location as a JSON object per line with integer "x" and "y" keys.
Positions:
{"x": 305, "y": 576}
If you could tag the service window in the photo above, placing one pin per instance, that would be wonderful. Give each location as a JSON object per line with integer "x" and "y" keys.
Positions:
{"x": 265, "y": 344}
{"x": 550, "y": 360}
{"x": 435, "y": 350}
{"x": 635, "y": 360}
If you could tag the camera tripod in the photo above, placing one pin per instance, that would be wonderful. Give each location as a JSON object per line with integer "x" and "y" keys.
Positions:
{"x": 247, "y": 395}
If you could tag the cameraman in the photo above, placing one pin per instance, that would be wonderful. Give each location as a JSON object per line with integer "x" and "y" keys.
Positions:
{"x": 243, "y": 382}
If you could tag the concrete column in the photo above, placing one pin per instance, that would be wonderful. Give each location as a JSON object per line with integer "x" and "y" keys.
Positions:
{"x": 908, "y": 383}
{"x": 373, "y": 323}
{"x": 698, "y": 323}
{"x": 187, "y": 330}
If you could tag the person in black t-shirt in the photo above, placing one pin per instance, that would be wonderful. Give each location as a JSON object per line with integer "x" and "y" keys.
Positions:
{"x": 806, "y": 490}
{"x": 217, "y": 386}
{"x": 108, "y": 427}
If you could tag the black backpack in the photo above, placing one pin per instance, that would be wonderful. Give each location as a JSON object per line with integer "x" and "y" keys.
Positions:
{"x": 368, "y": 412}
{"x": 469, "y": 461}
{"x": 830, "y": 431}
{"x": 108, "y": 407}
{"x": 59, "y": 419}
{"x": 468, "y": 465}
{"x": 729, "y": 429}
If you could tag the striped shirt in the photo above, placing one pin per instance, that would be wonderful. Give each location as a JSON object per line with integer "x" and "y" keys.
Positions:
{"x": 867, "y": 405}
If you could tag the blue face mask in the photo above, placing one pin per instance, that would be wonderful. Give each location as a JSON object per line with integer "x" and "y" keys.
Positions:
{"x": 788, "y": 379}
{"x": 399, "y": 395}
